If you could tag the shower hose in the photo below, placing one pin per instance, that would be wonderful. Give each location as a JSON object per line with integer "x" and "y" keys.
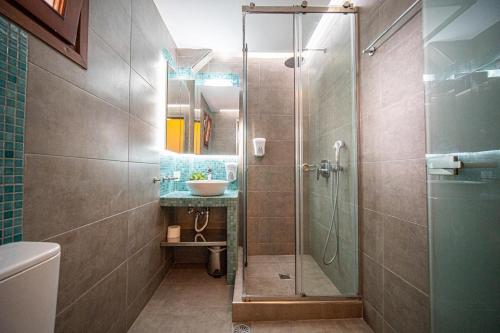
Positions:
{"x": 334, "y": 221}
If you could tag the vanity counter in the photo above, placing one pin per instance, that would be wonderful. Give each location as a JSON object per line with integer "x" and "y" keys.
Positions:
{"x": 186, "y": 199}
{"x": 229, "y": 200}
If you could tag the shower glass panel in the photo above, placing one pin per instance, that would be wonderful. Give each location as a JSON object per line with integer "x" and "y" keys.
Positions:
{"x": 270, "y": 222}
{"x": 300, "y": 79}
{"x": 327, "y": 155}
{"x": 462, "y": 87}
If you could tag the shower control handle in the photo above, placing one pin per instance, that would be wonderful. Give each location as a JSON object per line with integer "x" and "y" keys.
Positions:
{"x": 325, "y": 168}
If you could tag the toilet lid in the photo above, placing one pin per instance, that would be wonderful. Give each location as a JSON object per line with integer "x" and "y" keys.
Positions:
{"x": 19, "y": 256}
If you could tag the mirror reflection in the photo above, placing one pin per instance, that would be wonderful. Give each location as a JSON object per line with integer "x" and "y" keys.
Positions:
{"x": 202, "y": 116}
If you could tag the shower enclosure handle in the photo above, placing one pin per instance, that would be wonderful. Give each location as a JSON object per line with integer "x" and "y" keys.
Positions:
{"x": 309, "y": 167}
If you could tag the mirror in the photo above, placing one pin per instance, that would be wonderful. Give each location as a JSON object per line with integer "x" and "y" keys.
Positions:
{"x": 202, "y": 116}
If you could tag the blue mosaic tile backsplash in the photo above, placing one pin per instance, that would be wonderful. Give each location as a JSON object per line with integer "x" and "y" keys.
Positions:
{"x": 13, "y": 72}
{"x": 187, "y": 164}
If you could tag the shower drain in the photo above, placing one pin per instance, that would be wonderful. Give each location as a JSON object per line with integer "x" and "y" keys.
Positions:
{"x": 241, "y": 328}
{"x": 284, "y": 276}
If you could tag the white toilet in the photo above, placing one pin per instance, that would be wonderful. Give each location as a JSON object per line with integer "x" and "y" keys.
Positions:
{"x": 29, "y": 274}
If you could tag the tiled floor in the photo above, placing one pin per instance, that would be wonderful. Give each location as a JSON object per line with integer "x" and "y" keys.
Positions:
{"x": 189, "y": 300}
{"x": 262, "y": 277}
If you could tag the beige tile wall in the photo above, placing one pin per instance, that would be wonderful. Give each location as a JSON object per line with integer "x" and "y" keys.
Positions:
{"x": 90, "y": 164}
{"x": 393, "y": 212}
{"x": 271, "y": 198}
{"x": 327, "y": 81}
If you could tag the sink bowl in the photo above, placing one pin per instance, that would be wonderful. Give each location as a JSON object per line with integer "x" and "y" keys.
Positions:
{"x": 207, "y": 188}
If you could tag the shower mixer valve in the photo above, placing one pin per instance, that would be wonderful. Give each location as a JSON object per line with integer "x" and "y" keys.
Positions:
{"x": 324, "y": 169}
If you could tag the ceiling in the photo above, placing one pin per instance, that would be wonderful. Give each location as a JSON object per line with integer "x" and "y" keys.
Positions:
{"x": 219, "y": 98}
{"x": 217, "y": 24}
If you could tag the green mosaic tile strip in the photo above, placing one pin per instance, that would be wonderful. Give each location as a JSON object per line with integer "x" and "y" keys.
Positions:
{"x": 205, "y": 79}
{"x": 187, "y": 164}
{"x": 201, "y": 79}
{"x": 13, "y": 74}
{"x": 169, "y": 58}
{"x": 230, "y": 200}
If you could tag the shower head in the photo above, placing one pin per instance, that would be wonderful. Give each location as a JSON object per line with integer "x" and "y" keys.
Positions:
{"x": 290, "y": 62}
{"x": 337, "y": 146}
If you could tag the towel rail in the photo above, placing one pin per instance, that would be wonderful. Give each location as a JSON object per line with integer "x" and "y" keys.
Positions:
{"x": 372, "y": 48}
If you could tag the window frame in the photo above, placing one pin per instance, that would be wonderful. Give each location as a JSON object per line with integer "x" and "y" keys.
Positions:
{"x": 65, "y": 25}
{"x": 77, "y": 52}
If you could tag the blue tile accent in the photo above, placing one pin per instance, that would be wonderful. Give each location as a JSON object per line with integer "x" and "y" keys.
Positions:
{"x": 187, "y": 164}
{"x": 169, "y": 58}
{"x": 202, "y": 78}
{"x": 186, "y": 73}
{"x": 13, "y": 67}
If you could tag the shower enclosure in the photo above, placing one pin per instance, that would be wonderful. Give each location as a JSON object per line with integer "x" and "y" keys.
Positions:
{"x": 462, "y": 93}
{"x": 300, "y": 221}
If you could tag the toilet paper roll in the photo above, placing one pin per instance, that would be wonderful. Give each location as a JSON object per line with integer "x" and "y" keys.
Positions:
{"x": 174, "y": 231}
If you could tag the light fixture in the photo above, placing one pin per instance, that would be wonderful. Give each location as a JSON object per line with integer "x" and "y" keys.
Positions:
{"x": 178, "y": 105}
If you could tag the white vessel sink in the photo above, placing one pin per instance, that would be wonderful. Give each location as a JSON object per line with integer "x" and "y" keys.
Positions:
{"x": 207, "y": 188}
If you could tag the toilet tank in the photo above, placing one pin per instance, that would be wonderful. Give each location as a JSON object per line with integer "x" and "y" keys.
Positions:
{"x": 29, "y": 274}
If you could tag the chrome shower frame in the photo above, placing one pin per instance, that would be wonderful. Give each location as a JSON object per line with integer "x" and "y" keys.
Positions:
{"x": 292, "y": 10}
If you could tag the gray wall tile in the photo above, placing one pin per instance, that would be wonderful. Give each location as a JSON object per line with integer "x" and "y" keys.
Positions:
{"x": 105, "y": 240}
{"x": 271, "y": 178}
{"x": 97, "y": 309}
{"x": 84, "y": 186}
{"x": 144, "y": 224}
{"x": 134, "y": 309}
{"x": 107, "y": 75}
{"x": 271, "y": 204}
{"x": 143, "y": 190}
{"x": 405, "y": 251}
{"x": 143, "y": 142}
{"x": 405, "y": 308}
{"x": 145, "y": 57}
{"x": 115, "y": 32}
{"x": 392, "y": 172}
{"x": 66, "y": 193}
{"x": 142, "y": 266}
{"x": 374, "y": 319}
{"x": 372, "y": 229}
{"x": 144, "y": 100}
{"x": 373, "y": 283}
{"x": 83, "y": 125}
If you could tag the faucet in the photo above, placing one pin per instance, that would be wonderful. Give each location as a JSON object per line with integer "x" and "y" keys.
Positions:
{"x": 209, "y": 174}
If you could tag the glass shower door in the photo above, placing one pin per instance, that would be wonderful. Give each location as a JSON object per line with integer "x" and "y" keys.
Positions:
{"x": 300, "y": 94}
{"x": 326, "y": 154}
{"x": 462, "y": 86}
